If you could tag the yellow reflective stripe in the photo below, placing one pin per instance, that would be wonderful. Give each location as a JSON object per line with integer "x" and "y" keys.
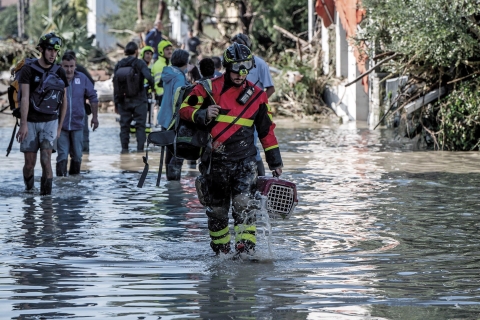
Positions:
{"x": 229, "y": 119}
{"x": 198, "y": 105}
{"x": 269, "y": 112}
{"x": 209, "y": 83}
{"x": 223, "y": 240}
{"x": 244, "y": 227}
{"x": 171, "y": 124}
{"x": 219, "y": 233}
{"x": 193, "y": 115}
{"x": 246, "y": 236}
{"x": 272, "y": 147}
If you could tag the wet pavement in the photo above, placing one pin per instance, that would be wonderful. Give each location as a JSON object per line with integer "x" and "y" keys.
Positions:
{"x": 380, "y": 232}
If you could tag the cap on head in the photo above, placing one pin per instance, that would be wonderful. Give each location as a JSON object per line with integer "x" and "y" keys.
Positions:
{"x": 162, "y": 45}
{"x": 242, "y": 39}
{"x": 50, "y": 41}
{"x": 130, "y": 48}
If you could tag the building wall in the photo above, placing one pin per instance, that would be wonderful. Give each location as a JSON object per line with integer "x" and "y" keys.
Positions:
{"x": 95, "y": 25}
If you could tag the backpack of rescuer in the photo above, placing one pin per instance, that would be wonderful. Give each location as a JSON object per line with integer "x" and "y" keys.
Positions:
{"x": 127, "y": 80}
{"x": 187, "y": 141}
{"x": 182, "y": 138}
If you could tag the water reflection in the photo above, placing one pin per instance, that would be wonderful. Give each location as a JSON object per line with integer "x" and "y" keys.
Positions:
{"x": 379, "y": 233}
{"x": 50, "y": 230}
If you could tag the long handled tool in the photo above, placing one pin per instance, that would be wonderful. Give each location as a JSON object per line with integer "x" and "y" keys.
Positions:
{"x": 145, "y": 170}
{"x": 162, "y": 153}
{"x": 161, "y": 139}
{"x": 13, "y": 138}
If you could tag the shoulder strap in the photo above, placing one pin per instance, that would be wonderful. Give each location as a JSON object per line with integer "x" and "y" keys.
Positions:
{"x": 207, "y": 85}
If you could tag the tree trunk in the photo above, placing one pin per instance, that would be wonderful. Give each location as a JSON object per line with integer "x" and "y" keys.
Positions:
{"x": 197, "y": 23}
{"x": 139, "y": 10}
{"x": 161, "y": 10}
{"x": 246, "y": 15}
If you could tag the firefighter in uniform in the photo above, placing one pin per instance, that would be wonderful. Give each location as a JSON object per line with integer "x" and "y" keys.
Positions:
{"x": 228, "y": 167}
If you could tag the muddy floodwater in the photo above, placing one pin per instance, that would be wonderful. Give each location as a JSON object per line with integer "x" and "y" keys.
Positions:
{"x": 380, "y": 232}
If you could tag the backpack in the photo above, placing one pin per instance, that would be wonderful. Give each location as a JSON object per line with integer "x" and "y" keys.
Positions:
{"x": 189, "y": 140}
{"x": 127, "y": 81}
{"x": 13, "y": 91}
{"x": 46, "y": 98}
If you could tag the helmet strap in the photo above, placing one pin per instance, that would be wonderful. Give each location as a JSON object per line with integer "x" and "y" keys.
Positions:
{"x": 48, "y": 63}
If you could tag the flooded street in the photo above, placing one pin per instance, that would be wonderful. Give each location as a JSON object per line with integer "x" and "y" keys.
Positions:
{"x": 380, "y": 232}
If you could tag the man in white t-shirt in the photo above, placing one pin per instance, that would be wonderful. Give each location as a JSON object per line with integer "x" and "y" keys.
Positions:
{"x": 260, "y": 75}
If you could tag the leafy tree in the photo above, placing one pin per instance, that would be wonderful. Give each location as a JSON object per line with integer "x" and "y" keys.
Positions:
{"x": 8, "y": 21}
{"x": 256, "y": 18}
{"x": 440, "y": 33}
{"x": 127, "y": 16}
{"x": 436, "y": 44}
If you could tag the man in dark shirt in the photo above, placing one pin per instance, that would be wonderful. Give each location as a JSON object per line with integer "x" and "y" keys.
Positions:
{"x": 153, "y": 38}
{"x": 191, "y": 43}
{"x": 40, "y": 130}
{"x": 135, "y": 107}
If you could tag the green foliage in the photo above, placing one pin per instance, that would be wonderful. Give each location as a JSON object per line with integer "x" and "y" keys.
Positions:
{"x": 69, "y": 21}
{"x": 459, "y": 118}
{"x": 303, "y": 97}
{"x": 288, "y": 14}
{"x": 435, "y": 32}
{"x": 291, "y": 15}
{"x": 126, "y": 18}
{"x": 8, "y": 21}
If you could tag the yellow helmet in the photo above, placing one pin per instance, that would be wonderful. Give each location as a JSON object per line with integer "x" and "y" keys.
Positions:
{"x": 162, "y": 45}
{"x": 145, "y": 49}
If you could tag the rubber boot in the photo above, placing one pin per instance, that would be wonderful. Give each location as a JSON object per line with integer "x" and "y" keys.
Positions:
{"x": 46, "y": 186}
{"x": 174, "y": 172}
{"x": 61, "y": 168}
{"x": 75, "y": 167}
{"x": 260, "y": 168}
{"x": 29, "y": 182}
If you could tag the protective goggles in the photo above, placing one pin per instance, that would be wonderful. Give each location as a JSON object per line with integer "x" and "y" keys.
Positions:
{"x": 242, "y": 67}
{"x": 55, "y": 43}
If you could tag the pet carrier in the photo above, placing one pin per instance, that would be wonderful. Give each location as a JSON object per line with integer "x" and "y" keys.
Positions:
{"x": 281, "y": 196}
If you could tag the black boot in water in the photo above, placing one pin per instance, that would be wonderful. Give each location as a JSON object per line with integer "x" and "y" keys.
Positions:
{"x": 75, "y": 167}
{"x": 61, "y": 168}
{"x": 174, "y": 172}
{"x": 29, "y": 182}
{"x": 46, "y": 186}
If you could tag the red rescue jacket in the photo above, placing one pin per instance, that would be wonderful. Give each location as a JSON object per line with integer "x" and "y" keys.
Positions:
{"x": 234, "y": 142}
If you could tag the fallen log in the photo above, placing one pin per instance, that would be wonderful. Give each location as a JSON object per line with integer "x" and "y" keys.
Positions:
{"x": 291, "y": 35}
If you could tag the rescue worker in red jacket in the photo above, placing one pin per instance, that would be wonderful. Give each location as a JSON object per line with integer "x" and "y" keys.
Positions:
{"x": 229, "y": 169}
